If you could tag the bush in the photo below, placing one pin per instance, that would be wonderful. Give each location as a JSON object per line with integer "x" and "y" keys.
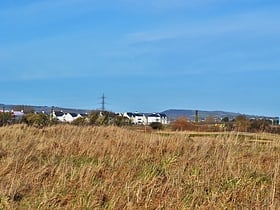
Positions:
{"x": 156, "y": 125}
{"x": 121, "y": 121}
{"x": 94, "y": 117}
{"x": 107, "y": 118}
{"x": 259, "y": 125}
{"x": 80, "y": 121}
{"x": 242, "y": 123}
{"x": 5, "y": 118}
{"x": 37, "y": 120}
{"x": 182, "y": 124}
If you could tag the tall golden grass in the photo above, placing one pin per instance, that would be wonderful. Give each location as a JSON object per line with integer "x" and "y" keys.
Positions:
{"x": 67, "y": 167}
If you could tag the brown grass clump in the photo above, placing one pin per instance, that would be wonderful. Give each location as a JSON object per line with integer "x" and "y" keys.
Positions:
{"x": 67, "y": 167}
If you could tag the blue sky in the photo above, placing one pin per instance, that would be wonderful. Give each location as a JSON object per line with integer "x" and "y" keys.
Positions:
{"x": 146, "y": 56}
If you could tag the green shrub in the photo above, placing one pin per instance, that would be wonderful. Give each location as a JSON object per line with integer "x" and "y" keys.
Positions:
{"x": 80, "y": 121}
{"x": 37, "y": 120}
{"x": 5, "y": 118}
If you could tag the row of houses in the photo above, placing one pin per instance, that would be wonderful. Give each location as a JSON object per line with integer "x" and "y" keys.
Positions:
{"x": 59, "y": 115}
{"x": 135, "y": 118}
{"x": 145, "y": 119}
{"x": 66, "y": 117}
{"x": 15, "y": 114}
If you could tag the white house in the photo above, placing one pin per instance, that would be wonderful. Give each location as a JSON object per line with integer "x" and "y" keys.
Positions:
{"x": 59, "y": 115}
{"x": 164, "y": 119}
{"x": 142, "y": 119}
{"x": 153, "y": 118}
{"x": 17, "y": 114}
{"x": 157, "y": 117}
{"x": 136, "y": 118}
{"x": 66, "y": 117}
{"x": 70, "y": 117}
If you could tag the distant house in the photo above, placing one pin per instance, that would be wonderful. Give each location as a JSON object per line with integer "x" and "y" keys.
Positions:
{"x": 6, "y": 111}
{"x": 274, "y": 120}
{"x": 146, "y": 119}
{"x": 136, "y": 118}
{"x": 17, "y": 114}
{"x": 153, "y": 118}
{"x": 59, "y": 115}
{"x": 128, "y": 115}
{"x": 70, "y": 117}
{"x": 157, "y": 117}
{"x": 140, "y": 119}
{"x": 66, "y": 117}
{"x": 84, "y": 115}
{"x": 164, "y": 119}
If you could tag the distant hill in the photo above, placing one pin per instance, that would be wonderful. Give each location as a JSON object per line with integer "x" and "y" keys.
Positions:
{"x": 173, "y": 114}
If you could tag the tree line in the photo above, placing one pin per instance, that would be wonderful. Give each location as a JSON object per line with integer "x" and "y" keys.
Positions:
{"x": 241, "y": 123}
{"x": 40, "y": 119}
{"x": 97, "y": 118}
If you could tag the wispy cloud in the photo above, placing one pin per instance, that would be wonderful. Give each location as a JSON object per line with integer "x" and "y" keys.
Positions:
{"x": 144, "y": 51}
{"x": 257, "y": 22}
{"x": 232, "y": 43}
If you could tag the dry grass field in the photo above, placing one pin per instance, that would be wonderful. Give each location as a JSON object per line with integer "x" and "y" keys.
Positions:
{"x": 67, "y": 167}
